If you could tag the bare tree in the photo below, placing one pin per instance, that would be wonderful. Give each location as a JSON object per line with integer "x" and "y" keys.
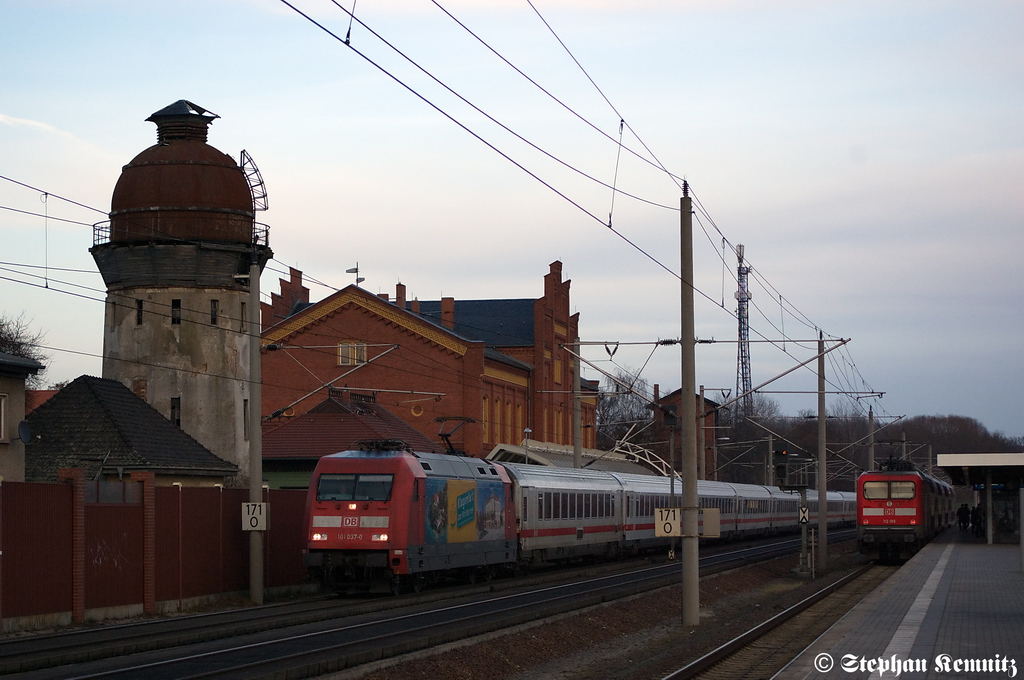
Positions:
{"x": 622, "y": 412}
{"x": 17, "y": 338}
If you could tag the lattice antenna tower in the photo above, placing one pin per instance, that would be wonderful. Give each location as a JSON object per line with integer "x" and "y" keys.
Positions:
{"x": 743, "y": 384}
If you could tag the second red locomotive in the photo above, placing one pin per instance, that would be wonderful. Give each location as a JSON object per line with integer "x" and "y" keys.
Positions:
{"x": 899, "y": 509}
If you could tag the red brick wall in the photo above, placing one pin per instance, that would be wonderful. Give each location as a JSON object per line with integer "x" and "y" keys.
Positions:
{"x": 426, "y": 361}
{"x": 413, "y": 364}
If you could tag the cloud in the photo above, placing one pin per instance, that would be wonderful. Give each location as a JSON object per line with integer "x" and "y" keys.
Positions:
{"x": 36, "y": 125}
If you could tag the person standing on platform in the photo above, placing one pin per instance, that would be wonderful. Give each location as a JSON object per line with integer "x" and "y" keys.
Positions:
{"x": 963, "y": 517}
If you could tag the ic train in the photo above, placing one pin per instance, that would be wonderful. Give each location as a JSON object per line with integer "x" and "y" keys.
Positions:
{"x": 383, "y": 517}
{"x": 899, "y": 509}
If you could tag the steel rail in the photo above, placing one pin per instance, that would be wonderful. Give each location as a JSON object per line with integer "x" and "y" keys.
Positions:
{"x": 705, "y": 662}
{"x": 82, "y": 646}
{"x": 471, "y": 618}
{"x": 596, "y": 592}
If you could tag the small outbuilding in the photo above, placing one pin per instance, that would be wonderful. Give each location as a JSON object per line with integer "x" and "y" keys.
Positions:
{"x": 14, "y": 371}
{"x": 102, "y": 427}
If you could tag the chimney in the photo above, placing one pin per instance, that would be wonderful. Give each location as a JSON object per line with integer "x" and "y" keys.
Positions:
{"x": 182, "y": 120}
{"x": 384, "y": 297}
{"x": 657, "y": 392}
{"x": 414, "y": 306}
{"x": 400, "y": 295}
{"x": 448, "y": 312}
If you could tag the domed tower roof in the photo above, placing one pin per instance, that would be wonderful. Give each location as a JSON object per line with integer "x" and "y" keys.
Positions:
{"x": 182, "y": 189}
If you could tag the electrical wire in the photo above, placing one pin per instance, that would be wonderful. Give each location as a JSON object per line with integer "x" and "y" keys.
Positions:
{"x": 676, "y": 180}
{"x": 553, "y": 97}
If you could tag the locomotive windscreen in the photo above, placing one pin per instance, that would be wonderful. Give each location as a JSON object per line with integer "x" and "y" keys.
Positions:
{"x": 349, "y": 487}
{"x": 884, "y": 490}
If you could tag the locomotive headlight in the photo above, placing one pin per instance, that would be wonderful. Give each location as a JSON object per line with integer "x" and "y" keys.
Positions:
{"x": 379, "y": 537}
{"x": 319, "y": 537}
{"x": 352, "y": 506}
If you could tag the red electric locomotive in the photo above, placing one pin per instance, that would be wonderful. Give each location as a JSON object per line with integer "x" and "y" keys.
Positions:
{"x": 899, "y": 509}
{"x": 383, "y": 517}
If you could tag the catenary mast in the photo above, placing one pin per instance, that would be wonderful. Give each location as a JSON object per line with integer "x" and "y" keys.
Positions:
{"x": 743, "y": 383}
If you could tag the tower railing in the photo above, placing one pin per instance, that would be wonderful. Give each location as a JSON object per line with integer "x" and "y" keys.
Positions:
{"x": 260, "y": 234}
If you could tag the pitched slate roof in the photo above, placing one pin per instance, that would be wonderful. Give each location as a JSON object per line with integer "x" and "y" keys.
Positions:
{"x": 100, "y": 425}
{"x": 333, "y": 426}
{"x": 499, "y": 323}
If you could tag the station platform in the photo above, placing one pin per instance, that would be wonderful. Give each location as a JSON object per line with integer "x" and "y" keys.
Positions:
{"x": 953, "y": 611}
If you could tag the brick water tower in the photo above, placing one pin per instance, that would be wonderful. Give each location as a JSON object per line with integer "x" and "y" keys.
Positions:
{"x": 175, "y": 257}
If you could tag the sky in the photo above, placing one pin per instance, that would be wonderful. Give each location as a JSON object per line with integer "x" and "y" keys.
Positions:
{"x": 867, "y": 154}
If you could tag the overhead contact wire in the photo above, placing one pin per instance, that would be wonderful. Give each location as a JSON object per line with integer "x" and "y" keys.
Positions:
{"x": 471, "y": 132}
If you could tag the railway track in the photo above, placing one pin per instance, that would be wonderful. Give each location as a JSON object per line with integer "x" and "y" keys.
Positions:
{"x": 316, "y": 637}
{"x": 769, "y": 647}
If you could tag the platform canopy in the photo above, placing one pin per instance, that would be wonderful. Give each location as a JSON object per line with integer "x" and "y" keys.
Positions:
{"x": 970, "y": 468}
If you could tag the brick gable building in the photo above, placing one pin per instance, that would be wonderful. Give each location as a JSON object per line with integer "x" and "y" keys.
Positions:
{"x": 501, "y": 363}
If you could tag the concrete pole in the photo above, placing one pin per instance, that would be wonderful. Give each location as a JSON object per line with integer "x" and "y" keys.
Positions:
{"x": 805, "y": 562}
{"x": 1020, "y": 520}
{"x": 714, "y": 449}
{"x": 702, "y": 444}
{"x": 688, "y": 420}
{"x": 672, "y": 484}
{"x": 822, "y": 463}
{"x": 577, "y": 425}
{"x": 255, "y": 431}
{"x": 988, "y": 505}
{"x": 672, "y": 465}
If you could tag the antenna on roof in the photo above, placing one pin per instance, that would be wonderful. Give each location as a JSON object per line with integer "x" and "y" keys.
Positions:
{"x": 355, "y": 270}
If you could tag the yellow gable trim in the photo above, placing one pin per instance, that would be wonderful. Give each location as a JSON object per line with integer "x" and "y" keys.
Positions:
{"x": 375, "y": 306}
{"x": 499, "y": 374}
